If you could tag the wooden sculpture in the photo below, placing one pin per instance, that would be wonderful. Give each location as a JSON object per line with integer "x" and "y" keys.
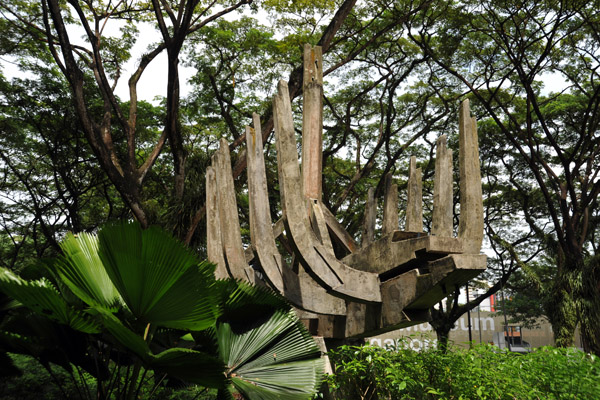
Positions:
{"x": 382, "y": 285}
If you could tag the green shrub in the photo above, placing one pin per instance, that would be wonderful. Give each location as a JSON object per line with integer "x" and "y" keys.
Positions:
{"x": 128, "y": 311}
{"x": 56, "y": 383}
{"x": 483, "y": 372}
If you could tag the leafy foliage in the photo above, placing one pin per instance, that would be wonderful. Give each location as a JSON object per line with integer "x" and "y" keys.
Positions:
{"x": 483, "y": 372}
{"x": 138, "y": 292}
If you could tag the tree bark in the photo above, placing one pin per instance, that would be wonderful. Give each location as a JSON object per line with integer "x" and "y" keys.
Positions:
{"x": 98, "y": 136}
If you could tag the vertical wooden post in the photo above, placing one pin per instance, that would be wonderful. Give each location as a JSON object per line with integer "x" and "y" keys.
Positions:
{"x": 312, "y": 122}
{"x": 390, "y": 206}
{"x": 414, "y": 203}
{"x": 261, "y": 232}
{"x": 214, "y": 244}
{"x": 470, "y": 227}
{"x": 368, "y": 233}
{"x": 320, "y": 263}
{"x": 230, "y": 222}
{"x": 442, "y": 190}
{"x": 319, "y": 225}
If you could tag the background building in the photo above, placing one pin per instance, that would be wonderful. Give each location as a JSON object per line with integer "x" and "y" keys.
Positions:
{"x": 483, "y": 326}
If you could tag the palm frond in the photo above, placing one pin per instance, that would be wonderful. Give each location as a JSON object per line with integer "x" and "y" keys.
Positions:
{"x": 298, "y": 380}
{"x": 160, "y": 280}
{"x": 83, "y": 272}
{"x": 43, "y": 298}
{"x": 239, "y": 294}
{"x": 244, "y": 305}
{"x": 191, "y": 366}
{"x": 125, "y": 336}
{"x": 276, "y": 360}
{"x": 189, "y": 303}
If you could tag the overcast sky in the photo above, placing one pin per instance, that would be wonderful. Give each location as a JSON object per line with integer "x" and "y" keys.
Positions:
{"x": 153, "y": 81}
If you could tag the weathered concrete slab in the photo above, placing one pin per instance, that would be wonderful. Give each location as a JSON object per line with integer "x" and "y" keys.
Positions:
{"x": 233, "y": 250}
{"x": 389, "y": 256}
{"x": 306, "y": 294}
{"x": 368, "y": 232}
{"x": 319, "y": 225}
{"x": 312, "y": 122}
{"x": 363, "y": 320}
{"x": 390, "y": 206}
{"x": 278, "y": 228}
{"x": 445, "y": 275}
{"x": 412, "y": 291}
{"x": 261, "y": 231}
{"x": 337, "y": 231}
{"x": 396, "y": 294}
{"x": 299, "y": 289}
{"x": 342, "y": 291}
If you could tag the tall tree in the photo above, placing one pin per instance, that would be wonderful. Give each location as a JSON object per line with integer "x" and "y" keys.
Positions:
{"x": 500, "y": 52}
{"x": 47, "y": 177}
{"x": 114, "y": 134}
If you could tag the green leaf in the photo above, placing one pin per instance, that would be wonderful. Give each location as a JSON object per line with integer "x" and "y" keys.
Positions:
{"x": 191, "y": 366}
{"x": 277, "y": 359}
{"x": 43, "y": 298}
{"x": 296, "y": 380}
{"x": 125, "y": 336}
{"x": 160, "y": 280}
{"x": 83, "y": 272}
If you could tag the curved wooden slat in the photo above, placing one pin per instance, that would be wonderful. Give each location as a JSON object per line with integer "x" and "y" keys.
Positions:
{"x": 214, "y": 244}
{"x": 233, "y": 249}
{"x": 299, "y": 289}
{"x": 318, "y": 261}
{"x": 470, "y": 227}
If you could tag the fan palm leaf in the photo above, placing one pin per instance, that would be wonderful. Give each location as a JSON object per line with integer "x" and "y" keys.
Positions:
{"x": 159, "y": 279}
{"x": 81, "y": 269}
{"x": 241, "y": 301}
{"x": 276, "y": 360}
{"x": 186, "y": 364}
{"x": 136, "y": 282}
{"x": 191, "y": 366}
{"x": 125, "y": 336}
{"x": 43, "y": 298}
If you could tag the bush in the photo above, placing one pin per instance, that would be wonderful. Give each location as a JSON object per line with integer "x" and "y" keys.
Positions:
{"x": 56, "y": 383}
{"x": 127, "y": 311}
{"x": 483, "y": 372}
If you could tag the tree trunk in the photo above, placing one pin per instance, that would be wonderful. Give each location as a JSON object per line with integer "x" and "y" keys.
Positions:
{"x": 443, "y": 335}
{"x": 563, "y": 311}
{"x": 575, "y": 300}
{"x": 589, "y": 306}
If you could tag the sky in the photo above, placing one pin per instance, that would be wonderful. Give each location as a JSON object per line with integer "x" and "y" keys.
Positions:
{"x": 153, "y": 82}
